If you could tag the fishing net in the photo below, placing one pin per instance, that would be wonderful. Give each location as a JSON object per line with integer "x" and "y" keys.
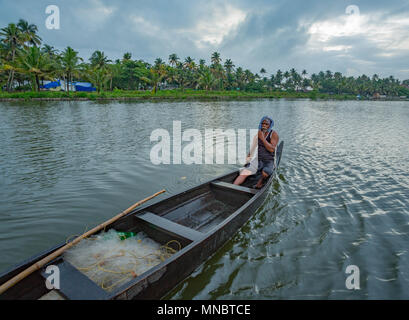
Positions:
{"x": 111, "y": 259}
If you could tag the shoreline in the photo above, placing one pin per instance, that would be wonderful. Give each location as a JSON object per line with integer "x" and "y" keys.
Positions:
{"x": 186, "y": 95}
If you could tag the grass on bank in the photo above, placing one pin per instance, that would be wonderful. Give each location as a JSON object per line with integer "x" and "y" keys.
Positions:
{"x": 170, "y": 94}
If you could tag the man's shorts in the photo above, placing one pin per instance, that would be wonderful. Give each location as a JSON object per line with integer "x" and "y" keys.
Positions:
{"x": 266, "y": 165}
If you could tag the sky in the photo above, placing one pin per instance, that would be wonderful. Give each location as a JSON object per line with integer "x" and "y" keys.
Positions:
{"x": 352, "y": 37}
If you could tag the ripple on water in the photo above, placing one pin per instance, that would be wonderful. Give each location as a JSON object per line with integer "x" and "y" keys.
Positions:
{"x": 340, "y": 198}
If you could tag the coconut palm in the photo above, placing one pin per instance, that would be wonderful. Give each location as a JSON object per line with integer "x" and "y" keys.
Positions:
{"x": 228, "y": 66}
{"x": 29, "y": 32}
{"x": 70, "y": 65}
{"x": 97, "y": 76}
{"x": 202, "y": 63}
{"x": 35, "y": 64}
{"x": 219, "y": 74}
{"x": 99, "y": 59}
{"x": 127, "y": 56}
{"x": 13, "y": 39}
{"x": 206, "y": 79}
{"x": 158, "y": 62}
{"x": 239, "y": 77}
{"x": 173, "y": 59}
{"x": 155, "y": 77}
{"x": 189, "y": 63}
{"x": 113, "y": 71}
{"x": 49, "y": 50}
{"x": 278, "y": 78}
{"x": 248, "y": 76}
{"x": 215, "y": 58}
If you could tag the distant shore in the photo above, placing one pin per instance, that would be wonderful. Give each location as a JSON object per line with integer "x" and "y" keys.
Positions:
{"x": 178, "y": 94}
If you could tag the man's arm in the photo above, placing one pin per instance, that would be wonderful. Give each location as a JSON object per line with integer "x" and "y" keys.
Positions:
{"x": 274, "y": 140}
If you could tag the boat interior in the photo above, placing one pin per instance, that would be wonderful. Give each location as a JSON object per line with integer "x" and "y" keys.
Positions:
{"x": 185, "y": 218}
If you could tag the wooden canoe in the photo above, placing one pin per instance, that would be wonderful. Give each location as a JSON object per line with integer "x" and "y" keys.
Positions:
{"x": 201, "y": 219}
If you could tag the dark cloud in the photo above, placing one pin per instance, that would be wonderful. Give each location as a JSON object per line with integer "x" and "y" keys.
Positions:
{"x": 254, "y": 34}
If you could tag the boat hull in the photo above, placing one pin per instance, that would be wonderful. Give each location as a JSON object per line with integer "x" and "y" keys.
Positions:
{"x": 196, "y": 218}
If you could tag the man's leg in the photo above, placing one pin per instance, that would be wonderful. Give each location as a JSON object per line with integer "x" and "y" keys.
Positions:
{"x": 242, "y": 177}
{"x": 260, "y": 182}
{"x": 265, "y": 173}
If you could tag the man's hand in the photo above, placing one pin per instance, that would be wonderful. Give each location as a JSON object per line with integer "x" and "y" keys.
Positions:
{"x": 261, "y": 135}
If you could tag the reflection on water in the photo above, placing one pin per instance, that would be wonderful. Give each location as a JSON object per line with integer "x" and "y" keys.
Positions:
{"x": 341, "y": 196}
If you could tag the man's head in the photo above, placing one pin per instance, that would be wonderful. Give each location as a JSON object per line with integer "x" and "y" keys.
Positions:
{"x": 266, "y": 124}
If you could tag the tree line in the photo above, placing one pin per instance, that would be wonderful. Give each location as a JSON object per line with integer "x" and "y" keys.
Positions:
{"x": 25, "y": 60}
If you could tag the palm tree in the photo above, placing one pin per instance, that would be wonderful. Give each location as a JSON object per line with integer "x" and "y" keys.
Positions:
{"x": 97, "y": 76}
{"x": 99, "y": 59}
{"x": 29, "y": 32}
{"x": 13, "y": 39}
{"x": 113, "y": 71}
{"x": 155, "y": 77}
{"x": 228, "y": 65}
{"x": 35, "y": 64}
{"x": 240, "y": 77}
{"x": 215, "y": 58}
{"x": 69, "y": 65}
{"x": 173, "y": 59}
{"x": 182, "y": 76}
{"x": 295, "y": 79}
{"x": 49, "y": 50}
{"x": 248, "y": 76}
{"x": 278, "y": 78}
{"x": 189, "y": 63}
{"x": 263, "y": 72}
{"x": 127, "y": 56}
{"x": 219, "y": 74}
{"x": 206, "y": 79}
{"x": 158, "y": 62}
{"x": 202, "y": 63}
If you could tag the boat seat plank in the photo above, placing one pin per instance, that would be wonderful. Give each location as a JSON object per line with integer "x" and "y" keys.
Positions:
{"x": 232, "y": 186}
{"x": 170, "y": 226}
{"x": 75, "y": 285}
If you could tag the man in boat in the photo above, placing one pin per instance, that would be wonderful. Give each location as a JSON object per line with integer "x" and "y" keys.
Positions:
{"x": 266, "y": 142}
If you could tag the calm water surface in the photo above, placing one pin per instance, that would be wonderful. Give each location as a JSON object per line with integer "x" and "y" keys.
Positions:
{"x": 341, "y": 196}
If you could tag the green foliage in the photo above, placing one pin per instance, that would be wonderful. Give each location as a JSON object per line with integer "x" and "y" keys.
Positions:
{"x": 23, "y": 60}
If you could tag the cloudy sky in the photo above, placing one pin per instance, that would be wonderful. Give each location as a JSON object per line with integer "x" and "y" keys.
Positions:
{"x": 354, "y": 37}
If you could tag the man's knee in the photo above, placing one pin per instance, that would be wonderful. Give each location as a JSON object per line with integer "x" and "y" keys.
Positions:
{"x": 265, "y": 174}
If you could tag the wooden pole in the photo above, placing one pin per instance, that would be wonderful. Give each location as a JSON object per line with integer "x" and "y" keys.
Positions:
{"x": 58, "y": 252}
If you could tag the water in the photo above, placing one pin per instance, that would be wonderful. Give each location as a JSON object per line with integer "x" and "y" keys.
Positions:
{"x": 341, "y": 197}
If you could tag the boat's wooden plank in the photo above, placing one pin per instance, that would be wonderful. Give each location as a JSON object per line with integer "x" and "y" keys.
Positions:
{"x": 170, "y": 226}
{"x": 234, "y": 187}
{"x": 77, "y": 286}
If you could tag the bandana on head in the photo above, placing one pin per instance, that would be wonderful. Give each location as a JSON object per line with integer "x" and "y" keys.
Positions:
{"x": 271, "y": 123}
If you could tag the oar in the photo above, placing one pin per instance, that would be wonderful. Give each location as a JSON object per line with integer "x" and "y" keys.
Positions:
{"x": 55, "y": 254}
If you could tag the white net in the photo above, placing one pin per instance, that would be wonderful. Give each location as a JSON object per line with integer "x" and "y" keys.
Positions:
{"x": 110, "y": 262}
